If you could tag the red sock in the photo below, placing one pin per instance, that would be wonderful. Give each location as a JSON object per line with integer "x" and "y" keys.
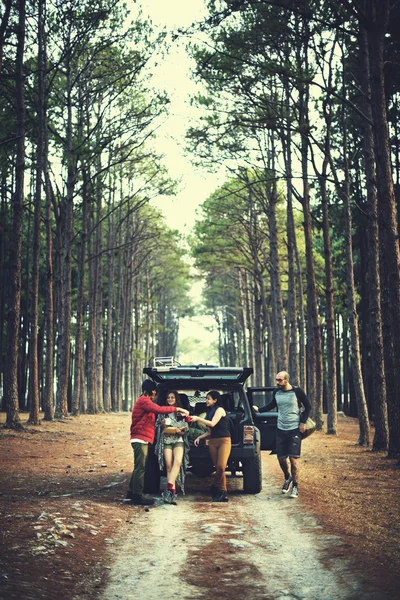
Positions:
{"x": 171, "y": 487}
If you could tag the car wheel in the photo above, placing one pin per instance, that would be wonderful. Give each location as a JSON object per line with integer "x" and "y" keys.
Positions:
{"x": 252, "y": 477}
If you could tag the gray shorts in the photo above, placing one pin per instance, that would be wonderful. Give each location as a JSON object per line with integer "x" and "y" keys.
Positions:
{"x": 288, "y": 443}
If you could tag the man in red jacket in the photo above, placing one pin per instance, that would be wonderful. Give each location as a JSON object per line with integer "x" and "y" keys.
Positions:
{"x": 142, "y": 433}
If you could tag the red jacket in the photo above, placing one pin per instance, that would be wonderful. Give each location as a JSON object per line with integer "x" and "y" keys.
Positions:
{"x": 143, "y": 418}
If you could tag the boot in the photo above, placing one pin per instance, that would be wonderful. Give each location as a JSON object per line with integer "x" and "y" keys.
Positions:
{"x": 215, "y": 492}
{"x": 222, "y": 497}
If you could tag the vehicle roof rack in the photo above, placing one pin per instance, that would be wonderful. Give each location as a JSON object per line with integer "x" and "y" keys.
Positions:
{"x": 165, "y": 361}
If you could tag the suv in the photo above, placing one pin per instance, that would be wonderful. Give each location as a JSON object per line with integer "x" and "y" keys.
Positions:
{"x": 193, "y": 383}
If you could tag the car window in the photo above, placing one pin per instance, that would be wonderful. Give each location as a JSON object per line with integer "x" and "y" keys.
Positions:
{"x": 261, "y": 397}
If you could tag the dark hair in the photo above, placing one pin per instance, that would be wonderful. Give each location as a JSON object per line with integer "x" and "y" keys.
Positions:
{"x": 148, "y": 386}
{"x": 215, "y": 396}
{"x": 178, "y": 402}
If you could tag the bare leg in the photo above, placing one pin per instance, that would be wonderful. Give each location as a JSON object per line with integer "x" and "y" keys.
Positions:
{"x": 168, "y": 460}
{"x": 176, "y": 465}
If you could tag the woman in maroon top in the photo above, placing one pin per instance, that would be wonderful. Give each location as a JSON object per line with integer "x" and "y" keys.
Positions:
{"x": 220, "y": 443}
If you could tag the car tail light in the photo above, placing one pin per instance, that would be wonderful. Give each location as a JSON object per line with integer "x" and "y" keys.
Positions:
{"x": 248, "y": 434}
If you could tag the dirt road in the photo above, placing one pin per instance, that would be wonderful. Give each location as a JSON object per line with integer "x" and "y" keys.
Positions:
{"x": 65, "y": 533}
{"x": 260, "y": 547}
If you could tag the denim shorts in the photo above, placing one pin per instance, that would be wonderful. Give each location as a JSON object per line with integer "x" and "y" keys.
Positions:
{"x": 173, "y": 445}
{"x": 288, "y": 443}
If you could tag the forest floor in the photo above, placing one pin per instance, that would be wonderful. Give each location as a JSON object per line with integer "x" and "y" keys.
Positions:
{"x": 62, "y": 517}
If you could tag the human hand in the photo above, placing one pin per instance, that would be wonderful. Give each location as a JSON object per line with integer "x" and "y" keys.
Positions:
{"x": 194, "y": 418}
{"x": 255, "y": 408}
{"x": 197, "y": 441}
{"x": 183, "y": 411}
{"x": 302, "y": 427}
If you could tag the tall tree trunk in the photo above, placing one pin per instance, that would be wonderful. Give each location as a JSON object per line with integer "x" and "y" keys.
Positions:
{"x": 99, "y": 306}
{"x": 65, "y": 325}
{"x": 293, "y": 359}
{"x": 314, "y": 350}
{"x": 91, "y": 341}
{"x": 243, "y": 319}
{"x": 381, "y": 437}
{"x": 377, "y": 23}
{"x": 25, "y": 317}
{"x": 302, "y": 324}
{"x": 3, "y": 272}
{"x": 13, "y": 318}
{"x": 48, "y": 396}
{"x": 34, "y": 366}
{"x": 110, "y": 304}
{"x": 351, "y": 303}
{"x": 258, "y": 335}
{"x": 275, "y": 272}
{"x": 250, "y": 321}
{"x": 330, "y": 311}
{"x": 80, "y": 302}
{"x": 314, "y": 347}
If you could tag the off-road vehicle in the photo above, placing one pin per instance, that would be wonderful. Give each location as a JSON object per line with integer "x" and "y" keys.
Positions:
{"x": 193, "y": 383}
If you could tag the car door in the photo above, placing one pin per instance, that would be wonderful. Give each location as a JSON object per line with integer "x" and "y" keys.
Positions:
{"x": 264, "y": 421}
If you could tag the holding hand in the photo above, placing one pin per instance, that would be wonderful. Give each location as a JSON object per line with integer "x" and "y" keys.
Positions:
{"x": 182, "y": 411}
{"x": 194, "y": 418}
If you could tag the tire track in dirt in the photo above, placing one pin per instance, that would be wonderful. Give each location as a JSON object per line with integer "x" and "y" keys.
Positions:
{"x": 261, "y": 547}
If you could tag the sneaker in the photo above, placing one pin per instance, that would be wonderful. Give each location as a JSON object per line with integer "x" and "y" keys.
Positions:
{"x": 139, "y": 500}
{"x": 169, "y": 497}
{"x": 295, "y": 492}
{"x": 165, "y": 496}
{"x": 286, "y": 485}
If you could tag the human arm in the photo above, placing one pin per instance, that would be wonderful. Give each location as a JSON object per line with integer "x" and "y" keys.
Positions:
{"x": 149, "y": 406}
{"x": 219, "y": 413}
{"x": 202, "y": 437}
{"x": 262, "y": 409}
{"x": 302, "y": 399}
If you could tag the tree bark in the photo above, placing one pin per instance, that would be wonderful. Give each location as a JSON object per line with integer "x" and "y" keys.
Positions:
{"x": 293, "y": 358}
{"x": 65, "y": 324}
{"x": 351, "y": 303}
{"x": 13, "y": 318}
{"x": 80, "y": 302}
{"x": 34, "y": 366}
{"x": 377, "y": 23}
{"x": 381, "y": 436}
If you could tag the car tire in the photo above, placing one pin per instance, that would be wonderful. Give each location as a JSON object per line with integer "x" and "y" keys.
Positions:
{"x": 152, "y": 475}
{"x": 252, "y": 477}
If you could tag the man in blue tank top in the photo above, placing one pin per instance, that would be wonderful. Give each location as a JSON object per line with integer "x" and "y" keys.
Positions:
{"x": 290, "y": 427}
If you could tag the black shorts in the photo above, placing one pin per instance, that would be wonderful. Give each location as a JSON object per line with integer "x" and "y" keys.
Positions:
{"x": 288, "y": 443}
